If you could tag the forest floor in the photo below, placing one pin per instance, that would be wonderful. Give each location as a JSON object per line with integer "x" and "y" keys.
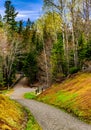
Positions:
{"x": 48, "y": 117}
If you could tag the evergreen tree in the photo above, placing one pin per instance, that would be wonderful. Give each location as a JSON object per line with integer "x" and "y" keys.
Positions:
{"x": 20, "y": 26}
{"x": 1, "y": 22}
{"x": 57, "y": 59}
{"x": 28, "y": 25}
{"x": 26, "y": 33}
{"x": 10, "y": 14}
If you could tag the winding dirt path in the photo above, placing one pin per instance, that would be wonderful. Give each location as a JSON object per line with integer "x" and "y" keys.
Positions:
{"x": 47, "y": 116}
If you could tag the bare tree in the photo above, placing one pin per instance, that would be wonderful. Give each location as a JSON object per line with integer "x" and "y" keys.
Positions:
{"x": 9, "y": 49}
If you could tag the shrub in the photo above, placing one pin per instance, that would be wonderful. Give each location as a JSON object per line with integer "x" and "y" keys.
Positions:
{"x": 73, "y": 70}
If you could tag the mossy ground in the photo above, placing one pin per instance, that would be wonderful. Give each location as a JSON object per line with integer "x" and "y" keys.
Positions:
{"x": 73, "y": 95}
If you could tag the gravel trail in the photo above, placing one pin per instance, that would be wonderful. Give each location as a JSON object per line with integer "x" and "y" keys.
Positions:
{"x": 49, "y": 117}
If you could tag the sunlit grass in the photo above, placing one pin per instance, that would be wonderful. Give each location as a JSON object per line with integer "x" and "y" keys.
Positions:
{"x": 30, "y": 95}
{"x": 11, "y": 114}
{"x": 73, "y": 95}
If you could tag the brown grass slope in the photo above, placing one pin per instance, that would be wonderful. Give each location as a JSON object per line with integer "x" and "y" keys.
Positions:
{"x": 11, "y": 114}
{"x": 73, "y": 95}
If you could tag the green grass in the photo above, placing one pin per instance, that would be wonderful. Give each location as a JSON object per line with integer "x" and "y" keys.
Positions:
{"x": 32, "y": 124}
{"x": 4, "y": 91}
{"x": 65, "y": 97}
{"x": 30, "y": 95}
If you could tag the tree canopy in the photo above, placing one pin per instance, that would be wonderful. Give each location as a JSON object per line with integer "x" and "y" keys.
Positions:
{"x": 55, "y": 45}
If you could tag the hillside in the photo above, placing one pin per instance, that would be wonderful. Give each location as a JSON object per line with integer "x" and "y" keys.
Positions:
{"x": 73, "y": 95}
{"x": 11, "y": 114}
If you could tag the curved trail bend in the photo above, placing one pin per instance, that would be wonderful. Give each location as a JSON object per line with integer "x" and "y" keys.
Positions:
{"x": 48, "y": 117}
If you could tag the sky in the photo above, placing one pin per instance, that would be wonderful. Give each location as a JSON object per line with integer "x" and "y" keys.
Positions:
{"x": 26, "y": 9}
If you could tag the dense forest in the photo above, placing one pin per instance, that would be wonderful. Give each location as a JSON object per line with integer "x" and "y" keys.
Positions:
{"x": 54, "y": 46}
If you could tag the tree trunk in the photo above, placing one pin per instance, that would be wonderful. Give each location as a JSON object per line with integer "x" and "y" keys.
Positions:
{"x": 46, "y": 64}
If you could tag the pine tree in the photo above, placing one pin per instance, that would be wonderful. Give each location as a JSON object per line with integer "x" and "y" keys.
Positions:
{"x": 28, "y": 24}
{"x": 10, "y": 14}
{"x": 1, "y": 22}
{"x": 20, "y": 27}
{"x": 27, "y": 31}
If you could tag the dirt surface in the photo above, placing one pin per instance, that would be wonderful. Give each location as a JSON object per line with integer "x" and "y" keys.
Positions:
{"x": 20, "y": 89}
{"x": 48, "y": 117}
